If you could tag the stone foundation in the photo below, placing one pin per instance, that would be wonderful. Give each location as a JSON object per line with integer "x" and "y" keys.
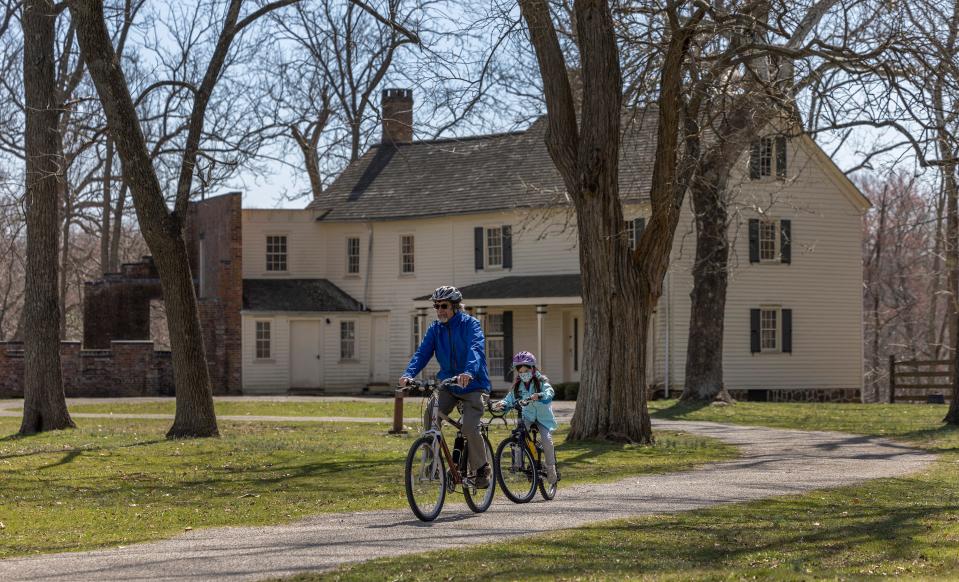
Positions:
{"x": 799, "y": 395}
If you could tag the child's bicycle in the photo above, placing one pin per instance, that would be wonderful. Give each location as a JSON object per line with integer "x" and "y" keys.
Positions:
{"x": 432, "y": 469}
{"x": 519, "y": 461}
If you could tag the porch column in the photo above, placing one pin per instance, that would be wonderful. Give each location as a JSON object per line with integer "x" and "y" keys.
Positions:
{"x": 480, "y": 314}
{"x": 540, "y": 316}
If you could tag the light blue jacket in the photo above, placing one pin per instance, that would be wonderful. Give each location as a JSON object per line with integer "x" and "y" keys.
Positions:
{"x": 541, "y": 410}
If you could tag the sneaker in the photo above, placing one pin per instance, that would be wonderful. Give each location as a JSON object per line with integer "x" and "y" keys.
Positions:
{"x": 481, "y": 481}
{"x": 551, "y": 474}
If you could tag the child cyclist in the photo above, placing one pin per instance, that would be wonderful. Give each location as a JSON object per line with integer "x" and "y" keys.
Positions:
{"x": 528, "y": 382}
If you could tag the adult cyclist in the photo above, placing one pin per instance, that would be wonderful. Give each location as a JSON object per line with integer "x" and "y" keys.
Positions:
{"x": 456, "y": 339}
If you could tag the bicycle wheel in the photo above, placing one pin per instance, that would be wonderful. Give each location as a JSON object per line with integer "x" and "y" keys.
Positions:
{"x": 547, "y": 490}
{"x": 483, "y": 497}
{"x": 516, "y": 471}
{"x": 425, "y": 478}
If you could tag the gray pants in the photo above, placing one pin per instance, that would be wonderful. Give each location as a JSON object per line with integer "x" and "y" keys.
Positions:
{"x": 472, "y": 414}
{"x": 546, "y": 441}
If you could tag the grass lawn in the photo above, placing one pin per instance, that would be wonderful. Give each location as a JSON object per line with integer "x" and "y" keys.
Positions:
{"x": 118, "y": 481}
{"x": 903, "y": 527}
{"x": 352, "y": 408}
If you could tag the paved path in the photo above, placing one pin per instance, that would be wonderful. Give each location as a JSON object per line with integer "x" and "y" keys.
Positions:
{"x": 774, "y": 462}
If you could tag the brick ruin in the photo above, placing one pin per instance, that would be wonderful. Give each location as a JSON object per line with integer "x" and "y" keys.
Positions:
{"x": 118, "y": 356}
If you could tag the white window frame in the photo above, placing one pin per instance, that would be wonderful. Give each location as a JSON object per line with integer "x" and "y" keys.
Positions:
{"x": 488, "y": 246}
{"x": 263, "y": 340}
{"x": 275, "y": 254}
{"x": 415, "y": 338}
{"x": 407, "y": 267}
{"x": 765, "y": 224}
{"x": 350, "y": 257}
{"x": 770, "y": 328}
{"x": 348, "y": 341}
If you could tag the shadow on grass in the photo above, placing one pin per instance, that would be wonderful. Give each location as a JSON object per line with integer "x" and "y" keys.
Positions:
{"x": 72, "y": 454}
{"x": 679, "y": 410}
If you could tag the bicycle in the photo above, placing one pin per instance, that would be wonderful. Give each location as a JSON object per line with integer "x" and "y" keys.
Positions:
{"x": 432, "y": 469}
{"x": 519, "y": 464}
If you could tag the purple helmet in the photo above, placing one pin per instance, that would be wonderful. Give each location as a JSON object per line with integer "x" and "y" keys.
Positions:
{"x": 524, "y": 359}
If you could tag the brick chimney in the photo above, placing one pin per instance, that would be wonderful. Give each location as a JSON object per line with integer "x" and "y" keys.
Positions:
{"x": 397, "y": 110}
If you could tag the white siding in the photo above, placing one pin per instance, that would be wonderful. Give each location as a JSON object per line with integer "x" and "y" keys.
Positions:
{"x": 822, "y": 285}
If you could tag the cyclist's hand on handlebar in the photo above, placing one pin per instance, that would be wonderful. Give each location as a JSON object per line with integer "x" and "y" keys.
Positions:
{"x": 463, "y": 380}
{"x": 535, "y": 396}
{"x": 497, "y": 406}
{"x": 404, "y": 381}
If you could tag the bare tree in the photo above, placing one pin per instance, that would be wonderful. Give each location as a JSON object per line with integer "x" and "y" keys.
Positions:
{"x": 620, "y": 287}
{"x": 163, "y": 228}
{"x": 44, "y": 406}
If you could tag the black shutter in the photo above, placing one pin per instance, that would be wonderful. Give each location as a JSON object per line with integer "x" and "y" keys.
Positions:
{"x": 507, "y": 247}
{"x": 780, "y": 157}
{"x": 754, "y": 331}
{"x": 478, "y": 248}
{"x": 754, "y": 173}
{"x": 639, "y": 225}
{"x": 787, "y": 331}
{"x": 508, "y": 346}
{"x": 785, "y": 241}
{"x": 753, "y": 240}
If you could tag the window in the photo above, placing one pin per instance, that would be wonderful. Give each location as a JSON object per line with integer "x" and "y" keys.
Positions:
{"x": 768, "y": 238}
{"x": 415, "y": 337}
{"x": 353, "y": 255}
{"x": 761, "y": 157}
{"x": 495, "y": 346}
{"x": 406, "y": 254}
{"x": 769, "y": 329}
{"x": 347, "y": 340}
{"x": 276, "y": 253}
{"x": 494, "y": 247}
{"x": 263, "y": 340}
{"x": 634, "y": 230}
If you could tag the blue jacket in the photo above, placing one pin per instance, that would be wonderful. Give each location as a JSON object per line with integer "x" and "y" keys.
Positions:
{"x": 539, "y": 410}
{"x": 459, "y": 347}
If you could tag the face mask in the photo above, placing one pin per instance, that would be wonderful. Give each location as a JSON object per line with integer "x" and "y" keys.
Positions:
{"x": 525, "y": 376}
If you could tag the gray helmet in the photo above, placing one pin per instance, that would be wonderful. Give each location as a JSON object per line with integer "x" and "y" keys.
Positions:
{"x": 447, "y": 293}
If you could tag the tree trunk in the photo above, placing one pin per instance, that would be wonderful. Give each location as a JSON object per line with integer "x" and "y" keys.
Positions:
{"x": 707, "y": 314}
{"x": 161, "y": 229}
{"x": 44, "y": 402}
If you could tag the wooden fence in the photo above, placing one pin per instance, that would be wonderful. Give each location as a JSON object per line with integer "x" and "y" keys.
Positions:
{"x": 920, "y": 380}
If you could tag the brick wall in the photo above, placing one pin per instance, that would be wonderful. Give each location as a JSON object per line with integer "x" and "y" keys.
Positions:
{"x": 128, "y": 368}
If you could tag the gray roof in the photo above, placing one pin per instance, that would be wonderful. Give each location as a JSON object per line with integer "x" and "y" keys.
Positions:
{"x": 296, "y": 295}
{"x": 474, "y": 174}
{"x": 522, "y": 286}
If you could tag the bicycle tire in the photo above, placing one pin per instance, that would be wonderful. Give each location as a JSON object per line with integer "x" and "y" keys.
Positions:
{"x": 425, "y": 478}
{"x": 547, "y": 490}
{"x": 487, "y": 498}
{"x": 518, "y": 483}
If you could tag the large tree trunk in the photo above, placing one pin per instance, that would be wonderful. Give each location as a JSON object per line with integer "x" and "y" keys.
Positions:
{"x": 704, "y": 351}
{"x": 161, "y": 229}
{"x": 44, "y": 406}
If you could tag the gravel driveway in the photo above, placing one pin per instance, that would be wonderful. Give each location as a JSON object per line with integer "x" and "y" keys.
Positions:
{"x": 774, "y": 462}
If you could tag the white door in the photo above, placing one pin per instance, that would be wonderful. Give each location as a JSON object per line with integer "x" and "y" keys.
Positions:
{"x": 380, "y": 369}
{"x": 573, "y": 343}
{"x": 306, "y": 367}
